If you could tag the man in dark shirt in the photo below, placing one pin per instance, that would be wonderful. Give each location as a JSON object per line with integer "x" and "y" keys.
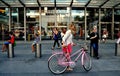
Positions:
{"x": 94, "y": 37}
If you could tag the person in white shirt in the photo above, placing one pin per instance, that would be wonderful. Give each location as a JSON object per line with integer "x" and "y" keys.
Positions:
{"x": 67, "y": 42}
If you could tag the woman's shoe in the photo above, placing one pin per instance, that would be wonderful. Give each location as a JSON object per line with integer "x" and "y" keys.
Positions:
{"x": 69, "y": 69}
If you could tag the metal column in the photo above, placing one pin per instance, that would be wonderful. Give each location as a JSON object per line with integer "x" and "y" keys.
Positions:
{"x": 100, "y": 23}
{"x": 25, "y": 24}
{"x": 10, "y": 19}
{"x": 112, "y": 27}
{"x": 55, "y": 17}
{"x": 70, "y": 18}
{"x": 40, "y": 21}
{"x": 85, "y": 24}
{"x": 18, "y": 16}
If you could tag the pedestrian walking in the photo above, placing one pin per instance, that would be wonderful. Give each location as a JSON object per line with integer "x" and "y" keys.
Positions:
{"x": 55, "y": 38}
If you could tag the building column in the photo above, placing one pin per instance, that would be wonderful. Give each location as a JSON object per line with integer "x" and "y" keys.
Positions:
{"x": 40, "y": 21}
{"x": 10, "y": 14}
{"x": 112, "y": 27}
{"x": 85, "y": 11}
{"x": 69, "y": 14}
{"x": 100, "y": 23}
{"x": 55, "y": 16}
{"x": 25, "y": 24}
{"x": 18, "y": 16}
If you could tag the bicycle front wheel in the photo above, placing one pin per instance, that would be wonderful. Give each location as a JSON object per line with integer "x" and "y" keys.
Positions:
{"x": 86, "y": 61}
{"x": 54, "y": 63}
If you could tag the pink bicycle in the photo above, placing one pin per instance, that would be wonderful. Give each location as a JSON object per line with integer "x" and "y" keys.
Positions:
{"x": 57, "y": 63}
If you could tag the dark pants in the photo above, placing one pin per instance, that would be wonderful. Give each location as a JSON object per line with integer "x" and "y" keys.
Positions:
{"x": 56, "y": 41}
{"x": 95, "y": 48}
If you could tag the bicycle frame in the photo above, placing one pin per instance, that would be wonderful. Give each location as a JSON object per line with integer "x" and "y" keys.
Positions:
{"x": 79, "y": 52}
{"x": 60, "y": 59}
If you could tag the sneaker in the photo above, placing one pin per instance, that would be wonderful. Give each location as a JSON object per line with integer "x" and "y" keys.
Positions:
{"x": 59, "y": 47}
{"x": 97, "y": 57}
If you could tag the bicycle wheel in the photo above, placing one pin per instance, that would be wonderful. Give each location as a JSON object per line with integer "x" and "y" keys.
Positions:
{"x": 54, "y": 65}
{"x": 86, "y": 61}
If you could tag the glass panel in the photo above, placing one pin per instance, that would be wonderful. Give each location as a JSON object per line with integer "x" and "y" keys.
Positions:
{"x": 106, "y": 15}
{"x": 3, "y": 24}
{"x": 117, "y": 22}
{"x": 62, "y": 17}
{"x": 2, "y": 4}
{"x": 92, "y": 18}
{"x": 32, "y": 22}
{"x": 119, "y": 6}
{"x": 19, "y": 25}
{"x": 48, "y": 22}
{"x": 96, "y": 3}
{"x": 78, "y": 20}
{"x": 30, "y": 3}
{"x": 63, "y": 2}
{"x": 59, "y": 1}
{"x": 111, "y": 3}
{"x": 80, "y": 2}
{"x": 106, "y": 21}
{"x": 46, "y": 2}
{"x": 13, "y": 2}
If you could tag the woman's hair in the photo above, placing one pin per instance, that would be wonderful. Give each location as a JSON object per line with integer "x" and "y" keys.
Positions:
{"x": 37, "y": 34}
{"x": 72, "y": 27}
{"x": 11, "y": 33}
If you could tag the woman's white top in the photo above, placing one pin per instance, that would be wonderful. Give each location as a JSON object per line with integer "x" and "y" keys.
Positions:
{"x": 68, "y": 37}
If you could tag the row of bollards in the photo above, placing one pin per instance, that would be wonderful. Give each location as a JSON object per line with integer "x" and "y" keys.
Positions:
{"x": 10, "y": 51}
{"x": 38, "y": 52}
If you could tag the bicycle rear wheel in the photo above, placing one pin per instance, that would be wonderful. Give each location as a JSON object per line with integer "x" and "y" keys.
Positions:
{"x": 86, "y": 62}
{"x": 54, "y": 65}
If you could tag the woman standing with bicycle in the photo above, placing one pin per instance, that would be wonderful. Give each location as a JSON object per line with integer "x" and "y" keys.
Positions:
{"x": 67, "y": 42}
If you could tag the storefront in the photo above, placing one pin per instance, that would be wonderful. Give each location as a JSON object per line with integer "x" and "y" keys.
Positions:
{"x": 25, "y": 17}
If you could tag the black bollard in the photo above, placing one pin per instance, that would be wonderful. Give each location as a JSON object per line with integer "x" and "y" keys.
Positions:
{"x": 117, "y": 49}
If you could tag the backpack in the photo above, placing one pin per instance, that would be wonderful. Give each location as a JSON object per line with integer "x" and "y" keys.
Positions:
{"x": 14, "y": 43}
{"x": 59, "y": 35}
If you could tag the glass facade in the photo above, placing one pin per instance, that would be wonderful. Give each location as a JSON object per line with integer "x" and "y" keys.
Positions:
{"x": 26, "y": 17}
